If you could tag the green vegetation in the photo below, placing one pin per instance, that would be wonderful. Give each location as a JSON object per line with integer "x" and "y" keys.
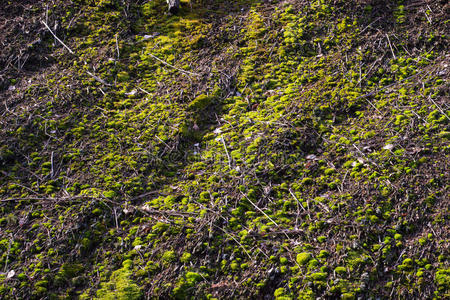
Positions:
{"x": 239, "y": 149}
{"x": 120, "y": 285}
{"x": 303, "y": 258}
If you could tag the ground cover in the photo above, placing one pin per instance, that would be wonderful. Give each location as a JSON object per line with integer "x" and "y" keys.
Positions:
{"x": 240, "y": 149}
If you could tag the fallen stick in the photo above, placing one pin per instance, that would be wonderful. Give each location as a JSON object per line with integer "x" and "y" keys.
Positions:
{"x": 73, "y": 53}
{"x": 57, "y": 38}
{"x": 390, "y": 46}
{"x": 172, "y": 66}
{"x": 226, "y": 151}
{"x": 98, "y": 79}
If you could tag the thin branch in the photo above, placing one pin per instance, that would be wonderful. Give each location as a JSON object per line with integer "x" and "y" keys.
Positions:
{"x": 57, "y": 38}
{"x": 275, "y": 233}
{"x": 299, "y": 203}
{"x": 143, "y": 196}
{"x": 71, "y": 52}
{"x": 117, "y": 47}
{"x": 234, "y": 239}
{"x": 7, "y": 255}
{"x": 267, "y": 216}
{"x": 293, "y": 195}
{"x": 142, "y": 90}
{"x": 98, "y": 79}
{"x": 271, "y": 220}
{"x": 172, "y": 66}
{"x": 226, "y": 151}
{"x": 438, "y": 107}
{"x": 376, "y": 91}
{"x": 49, "y": 199}
{"x": 376, "y": 20}
{"x": 52, "y": 172}
{"x": 151, "y": 211}
{"x": 390, "y": 46}
{"x": 61, "y": 199}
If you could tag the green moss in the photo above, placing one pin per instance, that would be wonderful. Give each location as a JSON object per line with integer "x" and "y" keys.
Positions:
{"x": 324, "y": 254}
{"x": 340, "y": 270}
{"x": 348, "y": 296}
{"x": 184, "y": 286}
{"x": 120, "y": 285}
{"x": 186, "y": 257}
{"x": 303, "y": 258}
{"x": 169, "y": 256}
{"x": 442, "y": 279}
{"x": 71, "y": 270}
{"x": 293, "y": 109}
{"x": 319, "y": 276}
{"x": 280, "y": 294}
{"x": 123, "y": 76}
{"x": 97, "y": 212}
{"x": 109, "y": 194}
{"x": 200, "y": 102}
{"x": 321, "y": 239}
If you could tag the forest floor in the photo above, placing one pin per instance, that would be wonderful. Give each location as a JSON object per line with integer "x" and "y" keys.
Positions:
{"x": 239, "y": 149}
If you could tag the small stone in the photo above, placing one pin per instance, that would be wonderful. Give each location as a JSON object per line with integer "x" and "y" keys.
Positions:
{"x": 311, "y": 157}
{"x": 132, "y": 93}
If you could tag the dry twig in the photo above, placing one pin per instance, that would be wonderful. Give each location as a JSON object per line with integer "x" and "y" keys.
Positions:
{"x": 172, "y": 66}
